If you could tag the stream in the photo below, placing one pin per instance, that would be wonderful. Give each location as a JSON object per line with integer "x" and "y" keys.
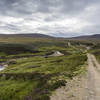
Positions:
{"x": 2, "y": 67}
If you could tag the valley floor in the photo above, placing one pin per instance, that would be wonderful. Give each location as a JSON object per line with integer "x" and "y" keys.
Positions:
{"x": 82, "y": 88}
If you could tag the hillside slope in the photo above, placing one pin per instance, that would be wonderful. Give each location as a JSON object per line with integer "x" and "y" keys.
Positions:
{"x": 33, "y": 35}
{"x": 89, "y": 37}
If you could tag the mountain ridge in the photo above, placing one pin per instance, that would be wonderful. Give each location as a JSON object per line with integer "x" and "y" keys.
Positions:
{"x": 38, "y": 35}
{"x": 90, "y": 37}
{"x": 33, "y": 35}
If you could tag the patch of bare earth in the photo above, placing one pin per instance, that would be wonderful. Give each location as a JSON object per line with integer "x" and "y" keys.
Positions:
{"x": 94, "y": 78}
{"x": 82, "y": 88}
{"x": 74, "y": 90}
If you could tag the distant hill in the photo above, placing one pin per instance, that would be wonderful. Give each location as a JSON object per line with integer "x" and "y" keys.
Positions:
{"x": 33, "y": 35}
{"x": 38, "y": 35}
{"x": 88, "y": 37}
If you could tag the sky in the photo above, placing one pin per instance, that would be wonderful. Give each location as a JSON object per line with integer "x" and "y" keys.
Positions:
{"x": 61, "y": 18}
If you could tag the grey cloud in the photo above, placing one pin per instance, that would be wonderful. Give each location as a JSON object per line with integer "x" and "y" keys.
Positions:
{"x": 46, "y": 11}
{"x": 21, "y": 7}
{"x": 10, "y": 27}
{"x": 92, "y": 29}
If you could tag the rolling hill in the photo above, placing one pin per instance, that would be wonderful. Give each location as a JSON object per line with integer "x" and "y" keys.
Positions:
{"x": 88, "y": 37}
{"x": 32, "y": 35}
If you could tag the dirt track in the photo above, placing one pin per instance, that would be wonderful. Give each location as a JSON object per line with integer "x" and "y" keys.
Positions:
{"x": 93, "y": 78}
{"x": 87, "y": 88}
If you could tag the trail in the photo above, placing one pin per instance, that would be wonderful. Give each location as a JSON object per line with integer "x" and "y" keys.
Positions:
{"x": 87, "y": 88}
{"x": 93, "y": 78}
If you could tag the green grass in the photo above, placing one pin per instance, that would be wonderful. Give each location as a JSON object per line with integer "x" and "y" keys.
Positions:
{"x": 45, "y": 65}
{"x": 15, "y": 90}
{"x": 58, "y": 68}
{"x": 95, "y": 50}
{"x": 36, "y": 77}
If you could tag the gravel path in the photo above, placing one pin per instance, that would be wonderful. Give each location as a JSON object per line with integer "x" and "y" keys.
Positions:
{"x": 93, "y": 78}
{"x": 86, "y": 88}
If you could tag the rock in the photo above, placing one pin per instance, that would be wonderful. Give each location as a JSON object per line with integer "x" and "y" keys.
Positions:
{"x": 57, "y": 53}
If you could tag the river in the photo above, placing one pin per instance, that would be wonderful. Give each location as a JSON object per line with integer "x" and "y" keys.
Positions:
{"x": 2, "y": 68}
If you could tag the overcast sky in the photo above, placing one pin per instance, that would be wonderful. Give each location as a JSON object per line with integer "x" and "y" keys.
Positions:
{"x": 52, "y": 17}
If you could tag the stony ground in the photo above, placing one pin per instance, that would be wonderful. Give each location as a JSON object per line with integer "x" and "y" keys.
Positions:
{"x": 74, "y": 90}
{"x": 82, "y": 88}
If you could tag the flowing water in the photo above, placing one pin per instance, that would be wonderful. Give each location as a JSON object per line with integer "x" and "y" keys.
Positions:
{"x": 2, "y": 67}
